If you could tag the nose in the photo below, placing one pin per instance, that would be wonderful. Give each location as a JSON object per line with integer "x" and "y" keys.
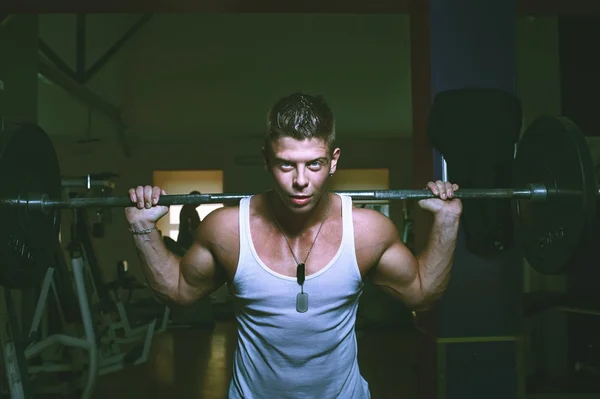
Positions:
{"x": 300, "y": 180}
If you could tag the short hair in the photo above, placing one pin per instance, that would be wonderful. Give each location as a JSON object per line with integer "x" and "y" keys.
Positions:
{"x": 302, "y": 117}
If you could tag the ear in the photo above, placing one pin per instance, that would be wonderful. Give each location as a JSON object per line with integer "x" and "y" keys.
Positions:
{"x": 265, "y": 155}
{"x": 335, "y": 156}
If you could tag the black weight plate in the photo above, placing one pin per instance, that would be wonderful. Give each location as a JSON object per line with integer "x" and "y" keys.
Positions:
{"x": 28, "y": 165}
{"x": 553, "y": 151}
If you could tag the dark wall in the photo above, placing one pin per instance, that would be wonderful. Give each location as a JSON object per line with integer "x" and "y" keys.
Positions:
{"x": 18, "y": 68}
{"x": 579, "y": 71}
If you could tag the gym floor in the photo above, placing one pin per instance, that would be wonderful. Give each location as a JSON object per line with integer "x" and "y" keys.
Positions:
{"x": 196, "y": 364}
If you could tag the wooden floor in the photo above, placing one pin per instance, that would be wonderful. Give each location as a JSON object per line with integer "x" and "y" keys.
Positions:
{"x": 196, "y": 364}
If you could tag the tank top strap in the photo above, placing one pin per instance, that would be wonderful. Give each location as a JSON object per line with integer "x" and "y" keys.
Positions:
{"x": 244, "y": 226}
{"x": 347, "y": 224}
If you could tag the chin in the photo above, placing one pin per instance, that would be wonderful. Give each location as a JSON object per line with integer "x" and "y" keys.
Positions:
{"x": 300, "y": 208}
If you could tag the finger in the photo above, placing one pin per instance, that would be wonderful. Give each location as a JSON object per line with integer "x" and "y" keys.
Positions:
{"x": 454, "y": 188}
{"x": 132, "y": 196}
{"x": 433, "y": 187}
{"x": 139, "y": 195}
{"x": 148, "y": 196}
{"x": 155, "y": 195}
{"x": 441, "y": 186}
{"x": 448, "y": 189}
{"x": 163, "y": 192}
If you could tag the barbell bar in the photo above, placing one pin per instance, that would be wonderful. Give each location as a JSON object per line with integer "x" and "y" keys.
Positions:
{"x": 554, "y": 198}
{"x": 42, "y": 203}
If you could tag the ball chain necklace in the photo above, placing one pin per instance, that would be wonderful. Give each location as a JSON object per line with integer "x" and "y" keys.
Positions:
{"x": 302, "y": 297}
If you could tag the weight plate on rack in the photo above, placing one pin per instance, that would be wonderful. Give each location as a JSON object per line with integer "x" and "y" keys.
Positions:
{"x": 553, "y": 151}
{"x": 28, "y": 164}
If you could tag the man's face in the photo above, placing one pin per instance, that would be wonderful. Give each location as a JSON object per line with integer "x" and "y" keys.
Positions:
{"x": 300, "y": 169}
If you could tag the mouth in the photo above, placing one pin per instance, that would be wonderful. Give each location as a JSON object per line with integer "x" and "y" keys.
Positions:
{"x": 300, "y": 199}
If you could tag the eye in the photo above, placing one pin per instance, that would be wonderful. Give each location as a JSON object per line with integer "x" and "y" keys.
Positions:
{"x": 315, "y": 165}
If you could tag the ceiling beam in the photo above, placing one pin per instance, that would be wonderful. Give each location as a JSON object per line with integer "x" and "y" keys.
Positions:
{"x": 5, "y": 19}
{"x": 55, "y": 59}
{"x": 116, "y": 47}
{"x": 88, "y": 97}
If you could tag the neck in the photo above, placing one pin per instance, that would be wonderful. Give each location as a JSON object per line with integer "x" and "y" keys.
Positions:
{"x": 293, "y": 223}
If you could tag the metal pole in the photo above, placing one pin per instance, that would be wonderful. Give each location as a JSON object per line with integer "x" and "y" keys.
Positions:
{"x": 198, "y": 199}
{"x": 535, "y": 192}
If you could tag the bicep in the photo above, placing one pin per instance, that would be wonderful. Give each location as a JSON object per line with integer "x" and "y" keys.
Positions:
{"x": 200, "y": 273}
{"x": 397, "y": 271}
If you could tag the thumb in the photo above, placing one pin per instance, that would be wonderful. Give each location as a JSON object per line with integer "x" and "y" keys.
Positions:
{"x": 429, "y": 204}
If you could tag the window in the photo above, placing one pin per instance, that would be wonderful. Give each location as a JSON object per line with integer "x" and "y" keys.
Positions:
{"x": 363, "y": 179}
{"x": 183, "y": 182}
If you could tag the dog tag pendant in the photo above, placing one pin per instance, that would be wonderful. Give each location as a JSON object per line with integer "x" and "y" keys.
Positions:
{"x": 302, "y": 302}
{"x": 301, "y": 274}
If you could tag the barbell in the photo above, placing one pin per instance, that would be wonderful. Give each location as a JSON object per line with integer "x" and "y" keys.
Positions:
{"x": 554, "y": 198}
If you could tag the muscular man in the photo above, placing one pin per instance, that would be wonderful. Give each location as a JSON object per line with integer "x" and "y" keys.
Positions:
{"x": 296, "y": 258}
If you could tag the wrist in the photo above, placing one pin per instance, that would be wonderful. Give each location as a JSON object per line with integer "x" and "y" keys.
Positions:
{"x": 447, "y": 218}
{"x": 141, "y": 225}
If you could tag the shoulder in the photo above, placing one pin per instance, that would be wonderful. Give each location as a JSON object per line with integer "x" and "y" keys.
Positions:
{"x": 371, "y": 225}
{"x": 374, "y": 234}
{"x": 221, "y": 221}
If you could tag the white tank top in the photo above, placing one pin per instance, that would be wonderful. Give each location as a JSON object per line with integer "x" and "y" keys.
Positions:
{"x": 284, "y": 354}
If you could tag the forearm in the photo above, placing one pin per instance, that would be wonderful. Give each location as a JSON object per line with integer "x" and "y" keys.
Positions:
{"x": 160, "y": 266}
{"x": 436, "y": 260}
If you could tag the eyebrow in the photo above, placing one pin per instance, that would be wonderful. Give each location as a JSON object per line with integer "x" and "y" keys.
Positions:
{"x": 281, "y": 160}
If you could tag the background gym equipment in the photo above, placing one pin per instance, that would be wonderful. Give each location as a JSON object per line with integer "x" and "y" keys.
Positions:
{"x": 555, "y": 195}
{"x": 73, "y": 337}
{"x": 27, "y": 161}
{"x": 26, "y": 356}
{"x": 106, "y": 300}
{"x": 99, "y": 185}
{"x": 552, "y": 231}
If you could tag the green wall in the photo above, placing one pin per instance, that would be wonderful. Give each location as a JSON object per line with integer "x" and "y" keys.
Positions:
{"x": 228, "y": 69}
{"x": 18, "y": 68}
